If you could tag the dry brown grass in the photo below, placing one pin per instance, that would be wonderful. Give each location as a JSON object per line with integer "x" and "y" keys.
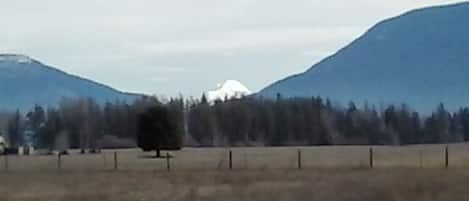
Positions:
{"x": 428, "y": 156}
{"x": 264, "y": 174}
{"x": 331, "y": 185}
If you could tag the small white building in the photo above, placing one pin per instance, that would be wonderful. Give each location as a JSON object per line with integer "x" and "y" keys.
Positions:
{"x": 3, "y": 145}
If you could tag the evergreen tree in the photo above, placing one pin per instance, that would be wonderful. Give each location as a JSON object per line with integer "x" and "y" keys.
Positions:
{"x": 157, "y": 130}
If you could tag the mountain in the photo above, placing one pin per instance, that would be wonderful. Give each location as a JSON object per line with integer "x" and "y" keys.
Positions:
{"x": 229, "y": 89}
{"x": 25, "y": 82}
{"x": 419, "y": 58}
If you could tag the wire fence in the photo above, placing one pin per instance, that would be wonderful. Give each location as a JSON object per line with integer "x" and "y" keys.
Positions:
{"x": 421, "y": 156}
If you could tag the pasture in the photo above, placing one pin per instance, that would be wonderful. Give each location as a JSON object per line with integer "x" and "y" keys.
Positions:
{"x": 258, "y": 158}
{"x": 327, "y": 173}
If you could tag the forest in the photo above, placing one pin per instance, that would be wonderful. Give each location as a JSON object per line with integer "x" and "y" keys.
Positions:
{"x": 315, "y": 121}
{"x": 249, "y": 121}
{"x": 81, "y": 123}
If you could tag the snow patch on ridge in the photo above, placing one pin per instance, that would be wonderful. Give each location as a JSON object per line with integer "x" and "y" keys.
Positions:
{"x": 22, "y": 59}
{"x": 230, "y": 89}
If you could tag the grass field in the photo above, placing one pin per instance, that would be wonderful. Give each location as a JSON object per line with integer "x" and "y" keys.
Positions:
{"x": 329, "y": 173}
{"x": 426, "y": 156}
{"x": 265, "y": 185}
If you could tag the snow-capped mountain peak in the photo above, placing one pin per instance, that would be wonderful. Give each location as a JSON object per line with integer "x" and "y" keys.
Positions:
{"x": 229, "y": 89}
{"x": 25, "y": 82}
{"x": 16, "y": 58}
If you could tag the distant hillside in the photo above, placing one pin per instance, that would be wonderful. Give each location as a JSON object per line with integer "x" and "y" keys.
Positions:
{"x": 420, "y": 58}
{"x": 25, "y": 82}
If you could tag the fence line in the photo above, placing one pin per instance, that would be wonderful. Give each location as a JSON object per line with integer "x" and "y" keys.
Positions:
{"x": 253, "y": 158}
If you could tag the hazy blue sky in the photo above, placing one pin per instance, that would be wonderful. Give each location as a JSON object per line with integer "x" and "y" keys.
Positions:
{"x": 187, "y": 46}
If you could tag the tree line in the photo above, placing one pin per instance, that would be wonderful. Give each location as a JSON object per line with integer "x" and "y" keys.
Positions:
{"x": 83, "y": 124}
{"x": 153, "y": 124}
{"x": 315, "y": 121}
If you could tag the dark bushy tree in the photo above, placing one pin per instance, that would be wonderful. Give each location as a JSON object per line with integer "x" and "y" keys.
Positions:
{"x": 158, "y": 130}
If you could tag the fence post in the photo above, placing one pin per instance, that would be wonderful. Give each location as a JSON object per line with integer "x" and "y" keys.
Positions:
{"x": 168, "y": 162}
{"x": 59, "y": 161}
{"x": 420, "y": 158}
{"x": 6, "y": 162}
{"x": 104, "y": 160}
{"x": 300, "y": 166}
{"x": 446, "y": 156}
{"x": 371, "y": 157}
{"x": 115, "y": 160}
{"x": 230, "y": 156}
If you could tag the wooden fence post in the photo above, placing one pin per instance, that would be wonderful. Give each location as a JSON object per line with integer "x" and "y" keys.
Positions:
{"x": 6, "y": 162}
{"x": 421, "y": 158}
{"x": 59, "y": 161}
{"x": 446, "y": 156}
{"x": 115, "y": 161}
{"x": 168, "y": 162}
{"x": 230, "y": 158}
{"x": 371, "y": 157}
{"x": 300, "y": 165}
{"x": 104, "y": 160}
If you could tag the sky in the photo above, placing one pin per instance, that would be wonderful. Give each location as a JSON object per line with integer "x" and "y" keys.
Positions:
{"x": 186, "y": 47}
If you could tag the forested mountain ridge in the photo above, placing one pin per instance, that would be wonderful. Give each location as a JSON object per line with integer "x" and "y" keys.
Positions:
{"x": 25, "y": 82}
{"x": 418, "y": 58}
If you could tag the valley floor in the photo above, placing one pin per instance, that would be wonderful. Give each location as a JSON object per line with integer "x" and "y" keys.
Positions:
{"x": 259, "y": 174}
{"x": 263, "y": 185}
